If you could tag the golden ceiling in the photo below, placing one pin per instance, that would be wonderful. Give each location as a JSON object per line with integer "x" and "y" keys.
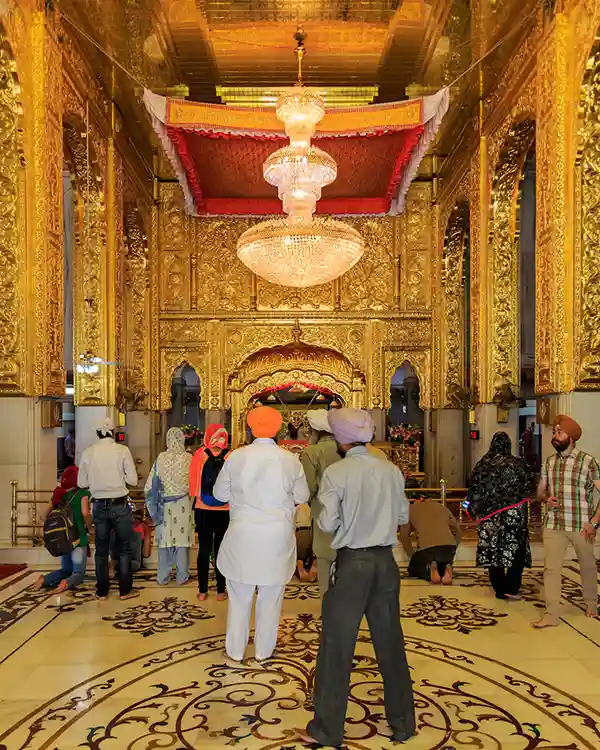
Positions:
{"x": 241, "y": 51}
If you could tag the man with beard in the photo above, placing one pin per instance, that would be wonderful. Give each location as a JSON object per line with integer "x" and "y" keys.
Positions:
{"x": 567, "y": 485}
{"x": 363, "y": 503}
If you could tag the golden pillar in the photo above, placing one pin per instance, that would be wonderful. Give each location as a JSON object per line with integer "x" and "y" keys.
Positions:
{"x": 554, "y": 230}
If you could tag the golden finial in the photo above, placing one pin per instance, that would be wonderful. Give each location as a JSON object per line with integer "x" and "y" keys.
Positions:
{"x": 300, "y": 36}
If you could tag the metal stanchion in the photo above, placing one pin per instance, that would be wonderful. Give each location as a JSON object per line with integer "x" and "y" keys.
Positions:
{"x": 14, "y": 512}
{"x": 443, "y": 486}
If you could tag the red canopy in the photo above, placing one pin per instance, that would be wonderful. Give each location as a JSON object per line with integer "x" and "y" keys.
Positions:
{"x": 218, "y": 153}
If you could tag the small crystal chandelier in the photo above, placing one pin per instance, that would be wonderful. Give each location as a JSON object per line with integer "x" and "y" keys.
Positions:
{"x": 300, "y": 250}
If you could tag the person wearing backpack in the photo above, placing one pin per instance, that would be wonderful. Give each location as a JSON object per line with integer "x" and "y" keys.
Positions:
{"x": 212, "y": 516}
{"x": 66, "y": 530}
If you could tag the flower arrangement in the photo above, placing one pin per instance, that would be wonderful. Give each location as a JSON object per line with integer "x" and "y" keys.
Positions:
{"x": 407, "y": 435}
{"x": 191, "y": 432}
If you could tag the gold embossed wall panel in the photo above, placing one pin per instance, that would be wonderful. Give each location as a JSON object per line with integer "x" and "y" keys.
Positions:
{"x": 221, "y": 281}
{"x": 136, "y": 309}
{"x": 176, "y": 244}
{"x": 370, "y": 284}
{"x": 588, "y": 222}
{"x": 275, "y": 297}
{"x": 419, "y": 359}
{"x": 12, "y": 230}
{"x": 504, "y": 241}
{"x": 416, "y": 241}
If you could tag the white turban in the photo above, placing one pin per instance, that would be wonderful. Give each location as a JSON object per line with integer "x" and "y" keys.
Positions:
{"x": 319, "y": 420}
{"x": 351, "y": 426}
{"x": 106, "y": 427}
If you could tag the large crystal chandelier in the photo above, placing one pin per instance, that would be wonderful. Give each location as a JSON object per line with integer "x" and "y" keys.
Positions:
{"x": 300, "y": 250}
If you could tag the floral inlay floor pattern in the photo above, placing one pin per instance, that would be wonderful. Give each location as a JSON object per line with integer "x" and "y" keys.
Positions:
{"x": 483, "y": 678}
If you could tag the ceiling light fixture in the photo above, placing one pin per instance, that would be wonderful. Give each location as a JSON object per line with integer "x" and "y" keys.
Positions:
{"x": 300, "y": 250}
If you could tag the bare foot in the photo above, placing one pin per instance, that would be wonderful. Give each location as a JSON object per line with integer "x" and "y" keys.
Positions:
{"x": 447, "y": 579}
{"x": 434, "y": 574}
{"x": 39, "y": 584}
{"x": 592, "y": 614}
{"x": 301, "y": 571}
{"x": 222, "y": 596}
{"x": 514, "y": 597}
{"x": 304, "y": 737}
{"x": 62, "y": 587}
{"x": 202, "y": 597}
{"x": 103, "y": 598}
{"x": 129, "y": 595}
{"x": 547, "y": 621}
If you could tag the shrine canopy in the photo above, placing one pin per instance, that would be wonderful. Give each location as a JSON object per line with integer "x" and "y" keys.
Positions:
{"x": 218, "y": 151}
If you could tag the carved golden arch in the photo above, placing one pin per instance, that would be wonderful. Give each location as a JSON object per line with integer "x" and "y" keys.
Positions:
{"x": 504, "y": 247}
{"x": 587, "y": 229}
{"x": 171, "y": 360}
{"x": 453, "y": 344}
{"x": 419, "y": 360}
{"x": 280, "y": 365}
{"x": 13, "y": 249}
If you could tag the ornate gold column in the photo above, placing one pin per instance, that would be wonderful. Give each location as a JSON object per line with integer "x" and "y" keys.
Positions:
{"x": 554, "y": 231}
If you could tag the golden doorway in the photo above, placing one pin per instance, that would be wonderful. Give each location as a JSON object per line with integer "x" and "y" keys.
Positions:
{"x": 282, "y": 368}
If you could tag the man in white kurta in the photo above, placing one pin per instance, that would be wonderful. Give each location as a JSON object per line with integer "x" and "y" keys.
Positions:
{"x": 262, "y": 484}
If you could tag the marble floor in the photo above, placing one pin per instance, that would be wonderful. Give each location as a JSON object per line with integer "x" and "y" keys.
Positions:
{"x": 149, "y": 673}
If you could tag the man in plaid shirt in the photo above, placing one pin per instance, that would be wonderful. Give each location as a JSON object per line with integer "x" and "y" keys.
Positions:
{"x": 567, "y": 486}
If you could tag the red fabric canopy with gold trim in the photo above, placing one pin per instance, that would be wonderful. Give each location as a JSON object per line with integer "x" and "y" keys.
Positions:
{"x": 218, "y": 153}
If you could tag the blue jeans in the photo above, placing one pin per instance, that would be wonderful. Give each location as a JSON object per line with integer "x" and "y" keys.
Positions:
{"x": 169, "y": 556}
{"x": 110, "y": 516}
{"x": 72, "y": 567}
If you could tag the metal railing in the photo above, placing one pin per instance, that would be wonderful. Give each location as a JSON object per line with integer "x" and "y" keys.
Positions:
{"x": 28, "y": 526}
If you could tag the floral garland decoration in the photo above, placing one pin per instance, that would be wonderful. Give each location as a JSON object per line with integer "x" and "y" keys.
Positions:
{"x": 191, "y": 432}
{"x": 408, "y": 435}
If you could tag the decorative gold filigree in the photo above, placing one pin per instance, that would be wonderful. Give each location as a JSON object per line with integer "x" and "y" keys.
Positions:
{"x": 394, "y": 357}
{"x": 504, "y": 242}
{"x": 137, "y": 307}
{"x": 12, "y": 217}
{"x": 453, "y": 304}
{"x": 588, "y": 349}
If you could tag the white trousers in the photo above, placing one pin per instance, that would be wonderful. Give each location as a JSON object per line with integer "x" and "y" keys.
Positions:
{"x": 268, "y": 611}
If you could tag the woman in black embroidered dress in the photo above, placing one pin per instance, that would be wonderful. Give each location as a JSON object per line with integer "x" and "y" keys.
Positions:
{"x": 499, "y": 481}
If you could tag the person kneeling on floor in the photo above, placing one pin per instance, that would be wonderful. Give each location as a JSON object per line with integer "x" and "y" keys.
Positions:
{"x": 438, "y": 535}
{"x": 72, "y": 564}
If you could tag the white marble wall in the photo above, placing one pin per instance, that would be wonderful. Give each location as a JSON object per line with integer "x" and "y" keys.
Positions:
{"x": 28, "y": 454}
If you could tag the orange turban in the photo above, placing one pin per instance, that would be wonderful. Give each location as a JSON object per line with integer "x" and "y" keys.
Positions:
{"x": 568, "y": 425}
{"x": 264, "y": 422}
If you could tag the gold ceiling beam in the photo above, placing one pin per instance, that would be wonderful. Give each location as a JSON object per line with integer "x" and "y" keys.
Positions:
{"x": 335, "y": 97}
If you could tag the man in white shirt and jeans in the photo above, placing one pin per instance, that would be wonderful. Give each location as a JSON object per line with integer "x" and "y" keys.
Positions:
{"x": 107, "y": 468}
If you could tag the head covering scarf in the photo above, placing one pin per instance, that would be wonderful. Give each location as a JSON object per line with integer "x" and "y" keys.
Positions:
{"x": 351, "y": 426}
{"x": 68, "y": 481}
{"x": 216, "y": 436}
{"x": 264, "y": 422}
{"x": 500, "y": 480}
{"x": 569, "y": 425}
{"x": 319, "y": 420}
{"x": 175, "y": 440}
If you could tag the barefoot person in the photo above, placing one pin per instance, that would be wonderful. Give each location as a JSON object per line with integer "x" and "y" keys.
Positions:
{"x": 316, "y": 457}
{"x": 168, "y": 499}
{"x": 567, "y": 485}
{"x": 363, "y": 503}
{"x": 438, "y": 535}
{"x": 497, "y": 497}
{"x": 106, "y": 469}
{"x": 211, "y": 516}
{"x": 72, "y": 566}
{"x": 262, "y": 484}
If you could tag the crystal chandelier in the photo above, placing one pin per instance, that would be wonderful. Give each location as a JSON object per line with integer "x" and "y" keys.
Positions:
{"x": 300, "y": 250}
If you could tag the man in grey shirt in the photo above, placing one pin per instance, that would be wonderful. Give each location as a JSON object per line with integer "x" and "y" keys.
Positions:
{"x": 363, "y": 503}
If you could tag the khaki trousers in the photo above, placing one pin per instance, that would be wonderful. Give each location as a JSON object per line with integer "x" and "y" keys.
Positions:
{"x": 556, "y": 544}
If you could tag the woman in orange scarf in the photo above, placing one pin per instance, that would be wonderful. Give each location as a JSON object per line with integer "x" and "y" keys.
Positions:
{"x": 212, "y": 517}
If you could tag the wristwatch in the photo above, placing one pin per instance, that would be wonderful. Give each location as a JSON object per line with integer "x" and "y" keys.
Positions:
{"x": 597, "y": 525}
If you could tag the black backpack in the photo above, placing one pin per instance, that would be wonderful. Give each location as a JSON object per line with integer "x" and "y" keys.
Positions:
{"x": 210, "y": 471}
{"x": 60, "y": 534}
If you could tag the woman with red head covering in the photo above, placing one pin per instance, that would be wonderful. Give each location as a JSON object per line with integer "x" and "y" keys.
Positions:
{"x": 72, "y": 566}
{"x": 212, "y": 516}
